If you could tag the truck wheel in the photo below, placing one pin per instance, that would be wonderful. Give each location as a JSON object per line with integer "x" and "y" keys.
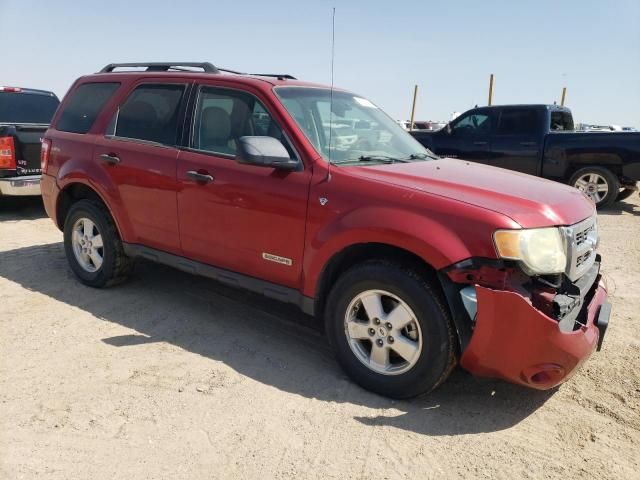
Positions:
{"x": 599, "y": 184}
{"x": 625, "y": 193}
{"x": 92, "y": 245}
{"x": 390, "y": 330}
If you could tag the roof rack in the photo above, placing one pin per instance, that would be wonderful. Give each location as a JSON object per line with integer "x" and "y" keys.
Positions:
{"x": 162, "y": 66}
{"x": 179, "y": 67}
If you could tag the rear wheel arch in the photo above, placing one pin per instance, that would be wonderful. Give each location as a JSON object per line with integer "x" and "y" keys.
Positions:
{"x": 75, "y": 192}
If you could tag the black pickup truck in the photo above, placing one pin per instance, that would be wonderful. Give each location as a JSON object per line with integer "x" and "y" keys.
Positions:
{"x": 24, "y": 117}
{"x": 540, "y": 140}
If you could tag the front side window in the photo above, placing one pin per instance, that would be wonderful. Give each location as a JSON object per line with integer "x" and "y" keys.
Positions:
{"x": 84, "y": 105}
{"x": 223, "y": 116}
{"x": 150, "y": 113}
{"x": 347, "y": 129}
{"x": 473, "y": 124}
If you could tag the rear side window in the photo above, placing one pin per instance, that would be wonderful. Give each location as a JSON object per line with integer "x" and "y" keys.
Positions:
{"x": 518, "y": 121}
{"x": 150, "y": 113}
{"x": 84, "y": 105}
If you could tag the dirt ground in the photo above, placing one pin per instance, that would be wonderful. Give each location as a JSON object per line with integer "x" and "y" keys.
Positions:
{"x": 171, "y": 376}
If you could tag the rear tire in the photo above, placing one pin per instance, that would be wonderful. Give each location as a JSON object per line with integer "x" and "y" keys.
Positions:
{"x": 364, "y": 312}
{"x": 93, "y": 247}
{"x": 598, "y": 183}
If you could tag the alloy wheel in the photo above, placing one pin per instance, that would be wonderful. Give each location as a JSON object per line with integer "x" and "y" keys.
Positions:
{"x": 383, "y": 332}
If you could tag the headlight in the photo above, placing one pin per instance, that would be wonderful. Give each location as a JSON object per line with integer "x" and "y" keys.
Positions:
{"x": 541, "y": 250}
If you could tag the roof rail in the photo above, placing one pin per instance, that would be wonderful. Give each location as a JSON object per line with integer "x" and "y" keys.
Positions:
{"x": 279, "y": 76}
{"x": 162, "y": 66}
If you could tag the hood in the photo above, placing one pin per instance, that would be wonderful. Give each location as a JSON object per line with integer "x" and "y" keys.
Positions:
{"x": 530, "y": 201}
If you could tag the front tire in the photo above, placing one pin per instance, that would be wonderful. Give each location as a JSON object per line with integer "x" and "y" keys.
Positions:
{"x": 390, "y": 330}
{"x": 93, "y": 247}
{"x": 600, "y": 184}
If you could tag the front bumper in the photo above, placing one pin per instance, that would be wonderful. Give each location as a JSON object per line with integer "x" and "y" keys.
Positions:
{"x": 515, "y": 341}
{"x": 28, "y": 185}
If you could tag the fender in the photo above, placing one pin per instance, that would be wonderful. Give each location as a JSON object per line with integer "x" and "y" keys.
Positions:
{"x": 425, "y": 237}
{"x": 76, "y": 171}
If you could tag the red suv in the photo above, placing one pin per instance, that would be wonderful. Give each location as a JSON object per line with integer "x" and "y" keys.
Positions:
{"x": 314, "y": 196}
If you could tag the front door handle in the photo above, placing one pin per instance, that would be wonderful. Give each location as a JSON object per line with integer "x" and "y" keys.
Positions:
{"x": 527, "y": 144}
{"x": 111, "y": 158}
{"x": 199, "y": 177}
{"x": 479, "y": 144}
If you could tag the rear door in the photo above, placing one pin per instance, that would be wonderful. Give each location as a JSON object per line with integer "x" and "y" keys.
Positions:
{"x": 243, "y": 218}
{"x": 139, "y": 152}
{"x": 518, "y": 140}
{"x": 469, "y": 138}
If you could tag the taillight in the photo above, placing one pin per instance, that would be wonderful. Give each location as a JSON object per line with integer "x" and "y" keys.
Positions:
{"x": 45, "y": 151}
{"x": 7, "y": 153}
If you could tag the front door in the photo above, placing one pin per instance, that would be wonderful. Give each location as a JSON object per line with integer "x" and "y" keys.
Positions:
{"x": 468, "y": 138}
{"x": 243, "y": 218}
{"x": 139, "y": 153}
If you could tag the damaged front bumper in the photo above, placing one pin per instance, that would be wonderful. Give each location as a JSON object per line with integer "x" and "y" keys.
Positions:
{"x": 533, "y": 338}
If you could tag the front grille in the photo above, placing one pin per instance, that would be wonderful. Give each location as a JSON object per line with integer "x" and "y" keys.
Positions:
{"x": 582, "y": 236}
{"x": 581, "y": 240}
{"x": 582, "y": 258}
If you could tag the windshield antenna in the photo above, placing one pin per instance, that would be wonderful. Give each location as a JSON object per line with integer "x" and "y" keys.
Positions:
{"x": 333, "y": 48}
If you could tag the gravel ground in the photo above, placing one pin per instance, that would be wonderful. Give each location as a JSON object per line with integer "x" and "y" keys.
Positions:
{"x": 174, "y": 376}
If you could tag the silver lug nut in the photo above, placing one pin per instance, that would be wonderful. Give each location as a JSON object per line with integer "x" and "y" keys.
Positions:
{"x": 389, "y": 326}
{"x": 380, "y": 343}
{"x": 372, "y": 331}
{"x": 390, "y": 339}
{"x": 376, "y": 321}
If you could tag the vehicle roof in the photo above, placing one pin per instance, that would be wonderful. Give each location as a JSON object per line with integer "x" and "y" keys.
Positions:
{"x": 254, "y": 80}
{"x": 27, "y": 90}
{"x": 527, "y": 105}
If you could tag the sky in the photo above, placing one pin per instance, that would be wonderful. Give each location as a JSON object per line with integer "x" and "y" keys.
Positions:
{"x": 382, "y": 48}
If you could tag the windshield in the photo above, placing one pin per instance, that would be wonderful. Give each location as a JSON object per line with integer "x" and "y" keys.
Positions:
{"x": 348, "y": 129}
{"x": 20, "y": 107}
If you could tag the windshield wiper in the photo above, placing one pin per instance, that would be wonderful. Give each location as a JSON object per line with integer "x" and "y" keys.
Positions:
{"x": 381, "y": 158}
{"x": 421, "y": 156}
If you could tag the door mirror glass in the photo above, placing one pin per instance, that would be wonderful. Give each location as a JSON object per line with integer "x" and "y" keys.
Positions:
{"x": 264, "y": 151}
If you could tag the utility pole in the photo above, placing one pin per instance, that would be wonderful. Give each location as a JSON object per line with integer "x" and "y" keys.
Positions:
{"x": 413, "y": 108}
{"x": 490, "y": 89}
{"x": 564, "y": 95}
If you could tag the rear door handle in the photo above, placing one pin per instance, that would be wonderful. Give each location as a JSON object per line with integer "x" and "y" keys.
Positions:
{"x": 199, "y": 177}
{"x": 528, "y": 144}
{"x": 111, "y": 158}
{"x": 479, "y": 143}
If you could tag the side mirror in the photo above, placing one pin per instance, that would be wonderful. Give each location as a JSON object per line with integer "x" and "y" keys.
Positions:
{"x": 449, "y": 129}
{"x": 264, "y": 152}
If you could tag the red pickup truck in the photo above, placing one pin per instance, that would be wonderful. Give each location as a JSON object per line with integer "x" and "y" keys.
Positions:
{"x": 314, "y": 196}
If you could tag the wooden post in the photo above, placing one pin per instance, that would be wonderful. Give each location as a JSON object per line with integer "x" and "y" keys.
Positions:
{"x": 413, "y": 108}
{"x": 564, "y": 95}
{"x": 490, "y": 89}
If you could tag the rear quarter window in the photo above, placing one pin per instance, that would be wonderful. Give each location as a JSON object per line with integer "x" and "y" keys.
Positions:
{"x": 84, "y": 105}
